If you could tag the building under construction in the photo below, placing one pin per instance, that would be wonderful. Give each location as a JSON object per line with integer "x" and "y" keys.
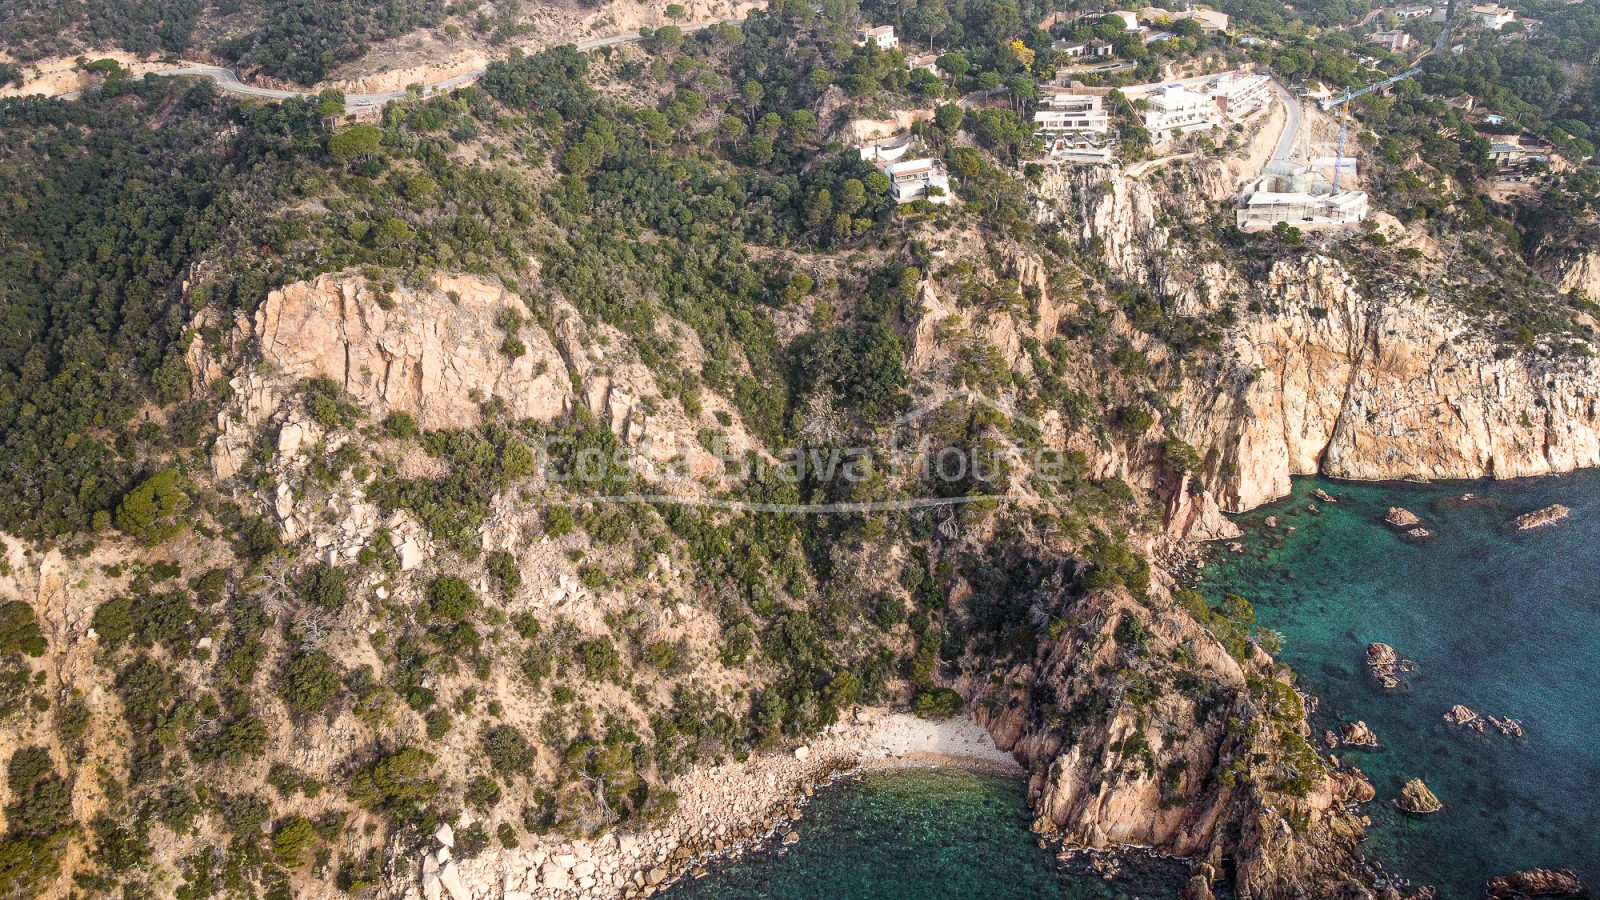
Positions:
{"x": 1297, "y": 195}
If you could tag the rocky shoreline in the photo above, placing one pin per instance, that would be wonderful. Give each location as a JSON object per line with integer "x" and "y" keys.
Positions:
{"x": 723, "y": 811}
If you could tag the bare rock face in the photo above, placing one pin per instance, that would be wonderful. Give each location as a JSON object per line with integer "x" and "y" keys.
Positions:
{"x": 1332, "y": 375}
{"x": 1536, "y": 884}
{"x": 430, "y": 353}
{"x": 1373, "y": 388}
{"x": 1122, "y": 779}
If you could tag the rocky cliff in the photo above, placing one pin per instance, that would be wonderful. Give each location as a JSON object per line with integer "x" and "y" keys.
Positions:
{"x": 1140, "y": 729}
{"x": 1360, "y": 378}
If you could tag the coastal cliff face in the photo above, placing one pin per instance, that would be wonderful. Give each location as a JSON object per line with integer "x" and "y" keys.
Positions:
{"x": 1378, "y": 387}
{"x": 1365, "y": 379}
{"x": 1140, "y": 729}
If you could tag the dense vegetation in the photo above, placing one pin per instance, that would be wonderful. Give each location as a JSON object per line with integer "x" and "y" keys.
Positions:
{"x": 298, "y": 40}
{"x": 689, "y": 197}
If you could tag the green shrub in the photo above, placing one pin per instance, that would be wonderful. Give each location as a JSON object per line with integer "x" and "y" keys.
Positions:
{"x": 508, "y": 750}
{"x": 310, "y": 681}
{"x": 151, "y": 511}
{"x": 19, "y": 630}
{"x": 293, "y": 840}
{"x": 325, "y": 587}
{"x": 451, "y": 599}
{"x": 483, "y": 792}
{"x": 400, "y": 779}
{"x": 936, "y": 703}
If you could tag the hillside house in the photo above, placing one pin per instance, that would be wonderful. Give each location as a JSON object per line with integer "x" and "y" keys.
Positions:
{"x": 881, "y": 35}
{"x": 1393, "y": 41}
{"x": 1175, "y": 109}
{"x": 911, "y": 179}
{"x": 1073, "y": 112}
{"x": 1239, "y": 94}
{"x": 1493, "y": 16}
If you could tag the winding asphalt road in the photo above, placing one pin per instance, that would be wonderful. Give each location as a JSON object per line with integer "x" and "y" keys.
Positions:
{"x": 1291, "y": 127}
{"x": 228, "y": 79}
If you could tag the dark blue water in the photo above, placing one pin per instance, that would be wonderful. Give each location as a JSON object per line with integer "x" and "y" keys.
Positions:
{"x": 926, "y": 835}
{"x": 1505, "y": 622}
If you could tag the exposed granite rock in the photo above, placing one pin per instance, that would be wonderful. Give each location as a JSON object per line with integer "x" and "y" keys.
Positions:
{"x": 1415, "y": 798}
{"x": 1537, "y": 884}
{"x": 424, "y": 352}
{"x": 1123, "y": 778}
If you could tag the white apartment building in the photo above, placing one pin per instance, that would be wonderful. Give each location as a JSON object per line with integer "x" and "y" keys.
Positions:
{"x": 1238, "y": 94}
{"x": 1413, "y": 12}
{"x": 1073, "y": 112}
{"x": 1493, "y": 17}
{"x": 910, "y": 180}
{"x": 1174, "y": 108}
{"x": 882, "y": 35}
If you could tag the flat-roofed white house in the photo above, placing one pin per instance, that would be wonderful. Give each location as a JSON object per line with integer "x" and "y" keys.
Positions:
{"x": 882, "y": 35}
{"x": 1174, "y": 108}
{"x": 1412, "y": 12}
{"x": 1073, "y": 112}
{"x": 1238, "y": 94}
{"x": 1493, "y": 16}
{"x": 910, "y": 180}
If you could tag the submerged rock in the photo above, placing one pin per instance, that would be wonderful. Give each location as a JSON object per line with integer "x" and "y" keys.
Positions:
{"x": 1536, "y": 883}
{"x": 1542, "y": 517}
{"x": 1415, "y": 798}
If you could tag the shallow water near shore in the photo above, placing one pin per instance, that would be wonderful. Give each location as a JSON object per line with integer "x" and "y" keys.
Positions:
{"x": 1504, "y": 621}
{"x": 928, "y": 834}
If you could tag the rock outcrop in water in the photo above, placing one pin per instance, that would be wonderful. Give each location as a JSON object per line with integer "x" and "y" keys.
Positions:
{"x": 1357, "y": 734}
{"x": 1537, "y": 884}
{"x": 1386, "y": 665}
{"x": 1415, "y": 798}
{"x": 1541, "y": 517}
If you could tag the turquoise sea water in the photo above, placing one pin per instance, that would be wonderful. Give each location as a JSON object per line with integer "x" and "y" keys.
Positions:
{"x": 922, "y": 834}
{"x": 1505, "y": 622}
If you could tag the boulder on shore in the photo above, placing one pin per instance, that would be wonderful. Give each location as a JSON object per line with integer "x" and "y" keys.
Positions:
{"x": 1562, "y": 884}
{"x": 1415, "y": 798}
{"x": 1402, "y": 518}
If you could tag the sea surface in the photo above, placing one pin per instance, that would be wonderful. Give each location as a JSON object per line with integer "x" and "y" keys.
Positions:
{"x": 922, "y": 834}
{"x": 1506, "y": 622}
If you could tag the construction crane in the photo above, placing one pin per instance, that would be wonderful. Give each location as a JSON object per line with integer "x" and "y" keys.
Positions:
{"x": 1344, "y": 114}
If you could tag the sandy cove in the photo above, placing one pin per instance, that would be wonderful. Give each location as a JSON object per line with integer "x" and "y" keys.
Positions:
{"x": 722, "y": 811}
